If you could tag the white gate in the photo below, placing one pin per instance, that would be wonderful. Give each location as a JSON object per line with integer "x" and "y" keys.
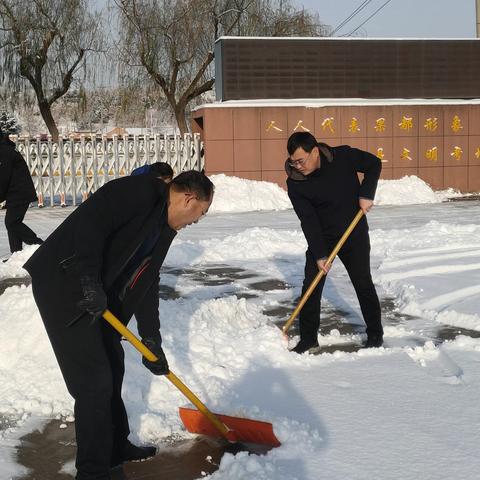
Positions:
{"x": 67, "y": 171}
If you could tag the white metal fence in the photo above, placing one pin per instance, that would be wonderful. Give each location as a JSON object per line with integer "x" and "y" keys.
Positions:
{"x": 67, "y": 171}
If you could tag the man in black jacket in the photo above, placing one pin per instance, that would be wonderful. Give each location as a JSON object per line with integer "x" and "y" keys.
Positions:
{"x": 16, "y": 188}
{"x": 108, "y": 252}
{"x": 326, "y": 194}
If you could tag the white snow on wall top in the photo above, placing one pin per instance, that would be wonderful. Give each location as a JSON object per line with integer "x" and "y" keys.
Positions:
{"x": 346, "y": 38}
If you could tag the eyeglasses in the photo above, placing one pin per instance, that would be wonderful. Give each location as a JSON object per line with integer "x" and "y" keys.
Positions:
{"x": 299, "y": 162}
{"x": 296, "y": 163}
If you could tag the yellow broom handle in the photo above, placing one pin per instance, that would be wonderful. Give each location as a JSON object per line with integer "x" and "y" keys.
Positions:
{"x": 321, "y": 273}
{"x": 124, "y": 331}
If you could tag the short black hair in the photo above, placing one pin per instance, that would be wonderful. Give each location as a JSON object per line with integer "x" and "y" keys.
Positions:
{"x": 162, "y": 169}
{"x": 303, "y": 140}
{"x": 195, "y": 182}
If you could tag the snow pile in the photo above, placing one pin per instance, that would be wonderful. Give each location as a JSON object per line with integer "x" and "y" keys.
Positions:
{"x": 410, "y": 190}
{"x": 13, "y": 266}
{"x": 233, "y": 194}
{"x": 251, "y": 244}
{"x": 433, "y": 271}
{"x": 30, "y": 379}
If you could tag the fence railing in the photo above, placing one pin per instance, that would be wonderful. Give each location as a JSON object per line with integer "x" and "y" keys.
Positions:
{"x": 67, "y": 171}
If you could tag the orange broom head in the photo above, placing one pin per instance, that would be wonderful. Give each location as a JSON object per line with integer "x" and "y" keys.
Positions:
{"x": 242, "y": 429}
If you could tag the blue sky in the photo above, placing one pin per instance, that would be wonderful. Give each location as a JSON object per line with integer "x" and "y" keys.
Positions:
{"x": 401, "y": 18}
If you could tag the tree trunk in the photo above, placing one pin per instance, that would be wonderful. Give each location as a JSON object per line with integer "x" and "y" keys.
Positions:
{"x": 180, "y": 118}
{"x": 47, "y": 116}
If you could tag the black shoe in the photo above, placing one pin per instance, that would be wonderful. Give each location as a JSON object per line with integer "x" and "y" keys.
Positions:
{"x": 373, "y": 341}
{"x": 132, "y": 453}
{"x": 305, "y": 346}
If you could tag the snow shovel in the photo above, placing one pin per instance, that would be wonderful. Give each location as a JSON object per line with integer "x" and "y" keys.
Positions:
{"x": 203, "y": 421}
{"x": 321, "y": 273}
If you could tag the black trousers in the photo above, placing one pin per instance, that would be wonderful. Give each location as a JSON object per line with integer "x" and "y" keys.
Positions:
{"x": 17, "y": 231}
{"x": 355, "y": 256}
{"x": 91, "y": 360}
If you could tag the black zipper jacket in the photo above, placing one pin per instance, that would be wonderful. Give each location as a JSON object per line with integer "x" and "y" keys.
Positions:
{"x": 100, "y": 238}
{"x": 326, "y": 201}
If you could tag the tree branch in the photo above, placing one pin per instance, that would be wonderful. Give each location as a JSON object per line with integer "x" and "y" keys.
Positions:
{"x": 205, "y": 87}
{"x": 208, "y": 59}
{"x": 47, "y": 42}
{"x": 53, "y": 25}
{"x": 67, "y": 80}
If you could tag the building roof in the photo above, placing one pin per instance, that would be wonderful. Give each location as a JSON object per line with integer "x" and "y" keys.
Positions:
{"x": 336, "y": 102}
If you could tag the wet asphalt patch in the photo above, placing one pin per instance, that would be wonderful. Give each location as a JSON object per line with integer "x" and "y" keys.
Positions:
{"x": 46, "y": 451}
{"x": 447, "y": 332}
{"x": 12, "y": 282}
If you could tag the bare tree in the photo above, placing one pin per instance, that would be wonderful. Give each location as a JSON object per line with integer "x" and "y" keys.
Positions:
{"x": 46, "y": 42}
{"x": 280, "y": 18}
{"x": 172, "y": 40}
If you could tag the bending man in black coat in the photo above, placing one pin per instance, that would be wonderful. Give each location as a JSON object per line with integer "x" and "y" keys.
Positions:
{"x": 16, "y": 187}
{"x": 326, "y": 194}
{"x": 108, "y": 252}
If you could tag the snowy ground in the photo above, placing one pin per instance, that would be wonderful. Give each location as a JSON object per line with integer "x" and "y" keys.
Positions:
{"x": 407, "y": 411}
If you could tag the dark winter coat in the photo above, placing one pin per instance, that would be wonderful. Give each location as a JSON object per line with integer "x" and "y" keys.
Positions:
{"x": 327, "y": 200}
{"x": 101, "y": 238}
{"x": 16, "y": 185}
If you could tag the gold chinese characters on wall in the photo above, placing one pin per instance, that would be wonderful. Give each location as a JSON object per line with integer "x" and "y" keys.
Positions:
{"x": 405, "y": 155}
{"x": 354, "y": 125}
{"x": 379, "y": 125}
{"x": 432, "y": 154}
{"x": 272, "y": 126}
{"x": 406, "y": 123}
{"x": 300, "y": 127}
{"x": 381, "y": 155}
{"x": 457, "y": 153}
{"x": 456, "y": 124}
{"x": 327, "y": 125}
{"x": 431, "y": 124}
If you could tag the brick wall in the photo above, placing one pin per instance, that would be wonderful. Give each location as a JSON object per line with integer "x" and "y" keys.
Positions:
{"x": 437, "y": 142}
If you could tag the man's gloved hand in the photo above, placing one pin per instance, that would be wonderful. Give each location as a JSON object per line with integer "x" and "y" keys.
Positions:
{"x": 154, "y": 344}
{"x": 94, "y": 299}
